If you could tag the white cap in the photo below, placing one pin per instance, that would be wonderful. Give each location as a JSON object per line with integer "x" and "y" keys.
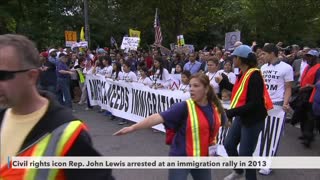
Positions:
{"x": 51, "y": 50}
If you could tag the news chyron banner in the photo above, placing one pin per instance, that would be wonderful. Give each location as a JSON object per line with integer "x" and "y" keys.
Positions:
{"x": 131, "y": 100}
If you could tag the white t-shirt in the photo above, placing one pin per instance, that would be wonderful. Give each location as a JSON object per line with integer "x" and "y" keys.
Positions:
{"x": 120, "y": 76}
{"x": 231, "y": 76}
{"x": 302, "y": 67}
{"x": 165, "y": 77}
{"x": 213, "y": 82}
{"x": 146, "y": 81}
{"x": 130, "y": 76}
{"x": 275, "y": 77}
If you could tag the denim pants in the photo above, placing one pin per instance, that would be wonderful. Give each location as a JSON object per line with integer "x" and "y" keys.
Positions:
{"x": 197, "y": 174}
{"x": 247, "y": 137}
{"x": 63, "y": 89}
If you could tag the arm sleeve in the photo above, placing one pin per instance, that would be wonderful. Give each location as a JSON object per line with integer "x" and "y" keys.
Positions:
{"x": 175, "y": 115}
{"x": 254, "y": 97}
{"x": 288, "y": 77}
{"x": 225, "y": 83}
{"x": 83, "y": 147}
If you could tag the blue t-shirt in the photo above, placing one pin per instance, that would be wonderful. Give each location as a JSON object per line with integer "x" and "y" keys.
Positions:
{"x": 62, "y": 66}
{"x": 176, "y": 118}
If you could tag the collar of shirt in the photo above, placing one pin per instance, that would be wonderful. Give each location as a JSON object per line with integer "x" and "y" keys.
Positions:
{"x": 275, "y": 63}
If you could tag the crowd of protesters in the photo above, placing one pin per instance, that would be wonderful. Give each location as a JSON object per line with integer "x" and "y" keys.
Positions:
{"x": 64, "y": 71}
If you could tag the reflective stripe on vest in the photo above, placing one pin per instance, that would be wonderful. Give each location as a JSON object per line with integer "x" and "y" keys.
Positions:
{"x": 81, "y": 76}
{"x": 195, "y": 128}
{"x": 239, "y": 97}
{"x": 235, "y": 99}
{"x": 198, "y": 140}
{"x": 56, "y": 143}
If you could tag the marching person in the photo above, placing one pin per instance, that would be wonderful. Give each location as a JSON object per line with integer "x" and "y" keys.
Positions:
{"x": 249, "y": 104}
{"x": 205, "y": 109}
{"x": 278, "y": 77}
{"x": 213, "y": 65}
{"x": 161, "y": 77}
{"x": 128, "y": 75}
{"x": 33, "y": 123}
{"x": 185, "y": 79}
{"x": 306, "y": 95}
{"x": 144, "y": 78}
{"x": 63, "y": 81}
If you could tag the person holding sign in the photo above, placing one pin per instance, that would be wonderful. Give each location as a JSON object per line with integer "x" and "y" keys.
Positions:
{"x": 161, "y": 77}
{"x": 249, "y": 104}
{"x": 278, "y": 77}
{"x": 116, "y": 71}
{"x": 128, "y": 75}
{"x": 185, "y": 79}
{"x": 144, "y": 78}
{"x": 202, "y": 115}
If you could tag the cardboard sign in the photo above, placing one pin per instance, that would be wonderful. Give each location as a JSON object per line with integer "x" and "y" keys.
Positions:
{"x": 230, "y": 39}
{"x": 130, "y": 43}
{"x": 70, "y": 37}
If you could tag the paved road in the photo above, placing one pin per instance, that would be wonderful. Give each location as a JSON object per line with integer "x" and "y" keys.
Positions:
{"x": 149, "y": 143}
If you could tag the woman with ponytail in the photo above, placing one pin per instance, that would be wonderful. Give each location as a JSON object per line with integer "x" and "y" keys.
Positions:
{"x": 249, "y": 104}
{"x": 205, "y": 109}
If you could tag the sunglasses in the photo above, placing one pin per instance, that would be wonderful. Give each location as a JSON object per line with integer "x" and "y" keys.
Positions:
{"x": 7, "y": 75}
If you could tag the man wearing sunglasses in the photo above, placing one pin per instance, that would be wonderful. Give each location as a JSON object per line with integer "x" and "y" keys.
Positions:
{"x": 34, "y": 123}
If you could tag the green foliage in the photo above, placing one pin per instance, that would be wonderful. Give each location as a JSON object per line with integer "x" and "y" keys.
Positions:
{"x": 202, "y": 22}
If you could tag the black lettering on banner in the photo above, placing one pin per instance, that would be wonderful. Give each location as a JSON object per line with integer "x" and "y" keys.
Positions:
{"x": 109, "y": 93}
{"x": 275, "y": 143}
{"x": 164, "y": 103}
{"x": 149, "y": 103}
{"x": 139, "y": 110}
{"x": 154, "y": 103}
{"x": 113, "y": 95}
{"x": 116, "y": 104}
{"x": 142, "y": 104}
{"x": 135, "y": 103}
{"x": 91, "y": 89}
{"x": 122, "y": 98}
{"x": 159, "y": 103}
{"x": 103, "y": 92}
{"x": 266, "y": 136}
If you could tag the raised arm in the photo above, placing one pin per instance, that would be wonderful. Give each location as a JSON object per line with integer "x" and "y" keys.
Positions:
{"x": 148, "y": 122}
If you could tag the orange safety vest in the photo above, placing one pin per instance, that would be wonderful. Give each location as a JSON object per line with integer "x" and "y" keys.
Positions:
{"x": 57, "y": 143}
{"x": 199, "y": 134}
{"x": 309, "y": 77}
{"x": 240, "y": 90}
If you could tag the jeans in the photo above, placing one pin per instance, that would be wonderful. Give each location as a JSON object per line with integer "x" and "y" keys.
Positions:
{"x": 197, "y": 174}
{"x": 247, "y": 137}
{"x": 63, "y": 90}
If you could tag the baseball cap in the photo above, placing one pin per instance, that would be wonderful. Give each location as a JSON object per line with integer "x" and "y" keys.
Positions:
{"x": 51, "y": 50}
{"x": 242, "y": 51}
{"x": 101, "y": 51}
{"x": 313, "y": 52}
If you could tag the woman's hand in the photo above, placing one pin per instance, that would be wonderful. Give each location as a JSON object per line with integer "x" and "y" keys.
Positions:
{"x": 124, "y": 131}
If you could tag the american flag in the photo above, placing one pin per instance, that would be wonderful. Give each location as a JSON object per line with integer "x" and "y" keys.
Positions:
{"x": 157, "y": 29}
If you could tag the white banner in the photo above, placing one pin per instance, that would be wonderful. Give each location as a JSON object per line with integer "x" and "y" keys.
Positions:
{"x": 130, "y": 43}
{"x": 132, "y": 101}
{"x": 269, "y": 137}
